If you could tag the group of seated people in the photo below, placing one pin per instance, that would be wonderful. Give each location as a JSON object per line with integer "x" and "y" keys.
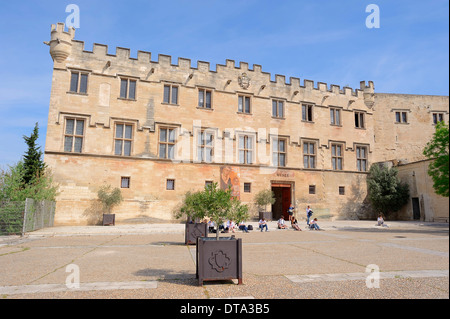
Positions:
{"x": 294, "y": 224}
{"x": 230, "y": 226}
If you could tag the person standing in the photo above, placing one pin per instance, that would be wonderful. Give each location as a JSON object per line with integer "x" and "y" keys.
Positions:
{"x": 309, "y": 213}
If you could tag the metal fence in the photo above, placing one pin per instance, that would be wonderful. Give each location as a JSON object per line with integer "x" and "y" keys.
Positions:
{"x": 17, "y": 218}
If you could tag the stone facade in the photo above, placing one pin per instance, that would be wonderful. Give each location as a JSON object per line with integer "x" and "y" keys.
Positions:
{"x": 144, "y": 124}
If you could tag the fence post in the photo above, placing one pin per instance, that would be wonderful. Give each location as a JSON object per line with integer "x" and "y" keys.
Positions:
{"x": 25, "y": 216}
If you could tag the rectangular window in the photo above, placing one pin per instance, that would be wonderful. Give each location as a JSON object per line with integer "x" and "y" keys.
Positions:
{"x": 361, "y": 158}
{"x": 438, "y": 117}
{"x": 73, "y": 135}
{"x": 208, "y": 183}
{"x": 401, "y": 117}
{"x": 123, "y": 139}
{"x": 204, "y": 99}
{"x": 335, "y": 116}
{"x": 167, "y": 140}
{"x": 336, "y": 157}
{"x": 312, "y": 189}
{"x": 244, "y": 105}
{"x": 128, "y": 89}
{"x": 279, "y": 152}
{"x": 205, "y": 146}
{"x": 170, "y": 94}
{"x": 247, "y": 187}
{"x": 78, "y": 82}
{"x": 307, "y": 112}
{"x": 341, "y": 190}
{"x": 309, "y": 155}
{"x": 245, "y": 149}
{"x": 278, "y": 108}
{"x": 125, "y": 182}
{"x": 170, "y": 185}
{"x": 359, "y": 120}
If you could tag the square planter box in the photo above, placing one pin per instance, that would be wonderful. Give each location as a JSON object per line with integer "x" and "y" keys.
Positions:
{"x": 109, "y": 219}
{"x": 193, "y": 231}
{"x": 219, "y": 259}
{"x": 267, "y": 216}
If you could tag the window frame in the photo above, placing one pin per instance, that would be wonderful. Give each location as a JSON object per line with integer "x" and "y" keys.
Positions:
{"x": 171, "y": 92}
{"x": 309, "y": 155}
{"x": 204, "y": 105}
{"x": 167, "y": 142}
{"x": 435, "y": 117}
{"x": 123, "y": 138}
{"x": 360, "y": 160}
{"x": 401, "y": 117}
{"x": 173, "y": 184}
{"x": 80, "y": 75}
{"x": 128, "y": 88}
{"x": 125, "y": 178}
{"x": 276, "y": 151}
{"x": 335, "y": 120}
{"x": 203, "y": 146}
{"x": 335, "y": 157}
{"x": 245, "y": 148}
{"x": 276, "y": 107}
{"x": 360, "y": 119}
{"x": 247, "y": 187}
{"x": 244, "y": 98}
{"x": 308, "y": 112}
{"x": 74, "y": 135}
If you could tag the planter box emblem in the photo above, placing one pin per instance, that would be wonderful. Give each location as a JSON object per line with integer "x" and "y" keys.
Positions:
{"x": 219, "y": 261}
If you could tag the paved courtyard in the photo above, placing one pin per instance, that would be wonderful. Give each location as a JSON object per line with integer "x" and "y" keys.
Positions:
{"x": 151, "y": 261}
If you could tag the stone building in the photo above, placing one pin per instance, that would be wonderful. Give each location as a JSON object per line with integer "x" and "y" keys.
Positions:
{"x": 158, "y": 129}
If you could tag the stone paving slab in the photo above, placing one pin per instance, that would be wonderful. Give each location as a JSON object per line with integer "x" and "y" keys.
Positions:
{"x": 279, "y": 264}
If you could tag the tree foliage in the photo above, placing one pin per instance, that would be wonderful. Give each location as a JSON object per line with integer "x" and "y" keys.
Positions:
{"x": 264, "y": 198}
{"x": 215, "y": 203}
{"x": 438, "y": 150}
{"x": 109, "y": 197}
{"x": 14, "y": 188}
{"x": 386, "y": 192}
{"x": 33, "y": 164}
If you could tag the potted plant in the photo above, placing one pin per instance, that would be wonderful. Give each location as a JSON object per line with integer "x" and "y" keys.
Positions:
{"x": 218, "y": 258}
{"x": 262, "y": 199}
{"x": 191, "y": 209}
{"x": 109, "y": 198}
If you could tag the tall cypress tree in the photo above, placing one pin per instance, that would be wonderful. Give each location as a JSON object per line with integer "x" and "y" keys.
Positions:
{"x": 34, "y": 166}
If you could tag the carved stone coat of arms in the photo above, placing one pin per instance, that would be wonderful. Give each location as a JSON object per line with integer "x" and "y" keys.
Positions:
{"x": 244, "y": 81}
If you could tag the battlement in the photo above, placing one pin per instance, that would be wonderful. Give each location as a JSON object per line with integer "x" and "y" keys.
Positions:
{"x": 258, "y": 78}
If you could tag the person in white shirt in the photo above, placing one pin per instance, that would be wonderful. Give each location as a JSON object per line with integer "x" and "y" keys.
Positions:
{"x": 281, "y": 223}
{"x": 263, "y": 224}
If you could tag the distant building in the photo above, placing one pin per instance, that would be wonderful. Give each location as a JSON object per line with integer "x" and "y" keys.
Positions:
{"x": 158, "y": 129}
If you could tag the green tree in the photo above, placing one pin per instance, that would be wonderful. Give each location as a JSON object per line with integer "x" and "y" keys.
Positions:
{"x": 34, "y": 166}
{"x": 437, "y": 151}
{"x": 109, "y": 197}
{"x": 264, "y": 198}
{"x": 13, "y": 188}
{"x": 386, "y": 192}
{"x": 213, "y": 202}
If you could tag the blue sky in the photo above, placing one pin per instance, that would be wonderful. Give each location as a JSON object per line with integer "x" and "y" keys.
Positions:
{"x": 324, "y": 41}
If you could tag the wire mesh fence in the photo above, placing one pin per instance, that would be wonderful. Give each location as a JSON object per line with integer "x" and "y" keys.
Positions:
{"x": 17, "y": 218}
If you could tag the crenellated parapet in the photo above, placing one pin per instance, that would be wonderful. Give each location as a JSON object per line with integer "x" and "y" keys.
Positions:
{"x": 229, "y": 76}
